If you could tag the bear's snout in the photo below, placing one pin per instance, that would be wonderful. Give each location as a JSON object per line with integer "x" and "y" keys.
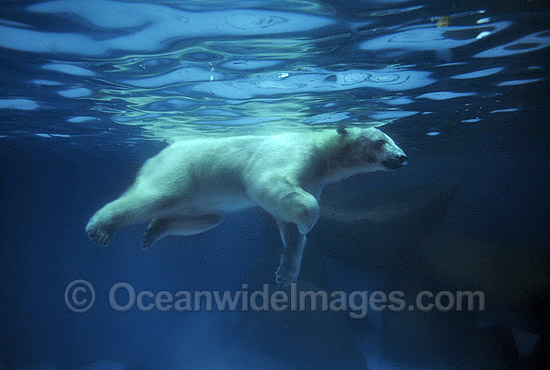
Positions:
{"x": 395, "y": 162}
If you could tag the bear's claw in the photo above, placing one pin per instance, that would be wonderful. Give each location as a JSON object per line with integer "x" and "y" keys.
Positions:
{"x": 148, "y": 239}
{"x": 155, "y": 231}
{"x": 287, "y": 274}
{"x": 99, "y": 235}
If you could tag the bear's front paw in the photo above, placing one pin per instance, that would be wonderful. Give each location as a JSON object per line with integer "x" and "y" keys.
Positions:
{"x": 100, "y": 233}
{"x": 287, "y": 273}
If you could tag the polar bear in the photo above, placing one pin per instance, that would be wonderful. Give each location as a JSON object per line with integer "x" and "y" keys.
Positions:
{"x": 189, "y": 186}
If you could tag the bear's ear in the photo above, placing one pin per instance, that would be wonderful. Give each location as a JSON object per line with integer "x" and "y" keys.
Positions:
{"x": 341, "y": 130}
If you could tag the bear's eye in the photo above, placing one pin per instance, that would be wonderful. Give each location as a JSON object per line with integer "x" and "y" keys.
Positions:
{"x": 380, "y": 143}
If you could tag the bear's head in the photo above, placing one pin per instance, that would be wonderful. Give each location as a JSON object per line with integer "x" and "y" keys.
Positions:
{"x": 369, "y": 149}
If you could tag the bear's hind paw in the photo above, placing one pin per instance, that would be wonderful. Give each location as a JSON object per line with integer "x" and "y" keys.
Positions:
{"x": 149, "y": 238}
{"x": 99, "y": 235}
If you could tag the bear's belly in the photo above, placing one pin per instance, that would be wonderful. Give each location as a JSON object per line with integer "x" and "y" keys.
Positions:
{"x": 215, "y": 203}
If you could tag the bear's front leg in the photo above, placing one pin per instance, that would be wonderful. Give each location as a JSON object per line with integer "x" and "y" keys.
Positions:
{"x": 296, "y": 212}
{"x": 291, "y": 260}
{"x": 286, "y": 201}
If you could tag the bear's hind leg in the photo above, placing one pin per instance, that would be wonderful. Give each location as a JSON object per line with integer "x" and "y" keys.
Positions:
{"x": 131, "y": 208}
{"x": 178, "y": 225}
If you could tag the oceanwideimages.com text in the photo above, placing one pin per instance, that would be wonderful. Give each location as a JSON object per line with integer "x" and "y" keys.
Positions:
{"x": 123, "y": 297}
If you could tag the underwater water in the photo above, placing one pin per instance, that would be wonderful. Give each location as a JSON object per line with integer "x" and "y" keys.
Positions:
{"x": 90, "y": 89}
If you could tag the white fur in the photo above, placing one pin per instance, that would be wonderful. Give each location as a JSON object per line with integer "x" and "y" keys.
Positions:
{"x": 189, "y": 186}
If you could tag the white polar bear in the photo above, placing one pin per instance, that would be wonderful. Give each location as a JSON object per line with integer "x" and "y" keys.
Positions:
{"x": 189, "y": 186}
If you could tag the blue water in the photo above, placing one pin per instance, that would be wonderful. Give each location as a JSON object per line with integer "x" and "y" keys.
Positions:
{"x": 92, "y": 88}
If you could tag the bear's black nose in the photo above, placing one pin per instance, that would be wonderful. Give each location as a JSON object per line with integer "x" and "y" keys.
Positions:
{"x": 395, "y": 162}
